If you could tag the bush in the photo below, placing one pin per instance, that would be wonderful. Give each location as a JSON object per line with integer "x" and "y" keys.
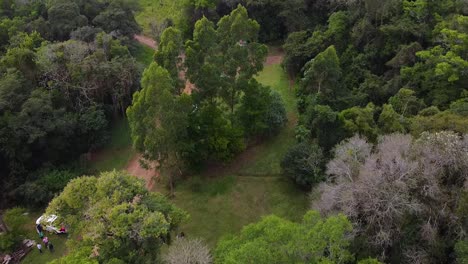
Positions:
{"x": 303, "y": 164}
{"x": 276, "y": 116}
{"x": 15, "y": 221}
{"x": 48, "y": 184}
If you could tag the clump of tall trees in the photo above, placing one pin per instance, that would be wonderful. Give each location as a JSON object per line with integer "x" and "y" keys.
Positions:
{"x": 224, "y": 107}
{"x": 66, "y": 73}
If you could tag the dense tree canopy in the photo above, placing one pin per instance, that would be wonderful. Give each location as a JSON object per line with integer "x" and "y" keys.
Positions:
{"x": 116, "y": 217}
{"x": 275, "y": 240}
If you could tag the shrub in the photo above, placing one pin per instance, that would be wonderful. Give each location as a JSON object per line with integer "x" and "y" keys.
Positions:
{"x": 303, "y": 164}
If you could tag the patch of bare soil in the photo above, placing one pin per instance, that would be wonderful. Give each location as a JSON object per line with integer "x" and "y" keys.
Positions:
{"x": 275, "y": 59}
{"x": 149, "y": 42}
{"x": 150, "y": 176}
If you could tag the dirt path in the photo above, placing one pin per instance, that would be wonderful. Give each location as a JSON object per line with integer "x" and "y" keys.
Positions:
{"x": 149, "y": 42}
{"x": 135, "y": 169}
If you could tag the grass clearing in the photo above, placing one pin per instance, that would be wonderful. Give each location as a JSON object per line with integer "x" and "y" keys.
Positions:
{"x": 34, "y": 257}
{"x": 117, "y": 153}
{"x": 224, "y": 205}
{"x": 143, "y": 54}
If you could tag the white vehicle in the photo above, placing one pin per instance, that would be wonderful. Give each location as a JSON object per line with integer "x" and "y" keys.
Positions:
{"x": 50, "y": 224}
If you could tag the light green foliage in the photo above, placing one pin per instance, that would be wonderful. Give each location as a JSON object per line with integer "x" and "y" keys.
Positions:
{"x": 440, "y": 74}
{"x": 116, "y": 213}
{"x": 275, "y": 240}
{"x": 155, "y": 16}
{"x": 361, "y": 121}
{"x": 78, "y": 256}
{"x": 438, "y": 122}
{"x": 204, "y": 3}
{"x": 460, "y": 107}
{"x": 461, "y": 250}
{"x": 169, "y": 49}
{"x": 390, "y": 121}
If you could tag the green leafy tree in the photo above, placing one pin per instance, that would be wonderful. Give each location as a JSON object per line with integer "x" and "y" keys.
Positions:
{"x": 116, "y": 217}
{"x": 322, "y": 76}
{"x": 169, "y": 49}
{"x": 275, "y": 240}
{"x": 64, "y": 17}
{"x": 241, "y": 55}
{"x": 324, "y": 125}
{"x": 159, "y": 120}
{"x": 118, "y": 18}
{"x": 361, "y": 121}
{"x": 405, "y": 102}
{"x": 390, "y": 121}
{"x": 303, "y": 163}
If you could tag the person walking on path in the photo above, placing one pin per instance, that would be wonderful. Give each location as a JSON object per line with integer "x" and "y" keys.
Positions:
{"x": 39, "y": 246}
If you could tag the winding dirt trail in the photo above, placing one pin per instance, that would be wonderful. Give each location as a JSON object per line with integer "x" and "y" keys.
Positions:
{"x": 151, "y": 177}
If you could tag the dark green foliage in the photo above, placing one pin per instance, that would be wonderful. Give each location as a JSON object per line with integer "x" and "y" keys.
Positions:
{"x": 57, "y": 98}
{"x": 324, "y": 124}
{"x": 47, "y": 184}
{"x": 64, "y": 17}
{"x": 262, "y": 112}
{"x": 304, "y": 164}
{"x": 117, "y": 18}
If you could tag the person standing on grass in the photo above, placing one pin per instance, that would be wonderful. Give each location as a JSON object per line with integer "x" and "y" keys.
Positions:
{"x": 46, "y": 241}
{"x": 39, "y": 246}
{"x": 51, "y": 247}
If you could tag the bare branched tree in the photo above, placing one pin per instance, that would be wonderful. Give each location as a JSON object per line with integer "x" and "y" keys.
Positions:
{"x": 188, "y": 251}
{"x": 378, "y": 190}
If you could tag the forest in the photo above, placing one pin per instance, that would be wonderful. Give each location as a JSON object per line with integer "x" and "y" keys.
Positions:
{"x": 234, "y": 131}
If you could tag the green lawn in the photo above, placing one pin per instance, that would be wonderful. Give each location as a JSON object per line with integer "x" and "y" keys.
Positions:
{"x": 34, "y": 257}
{"x": 143, "y": 54}
{"x": 156, "y": 11}
{"x": 223, "y": 206}
{"x": 117, "y": 153}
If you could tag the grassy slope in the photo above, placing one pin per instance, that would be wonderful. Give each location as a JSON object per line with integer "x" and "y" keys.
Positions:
{"x": 156, "y": 11}
{"x": 224, "y": 204}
